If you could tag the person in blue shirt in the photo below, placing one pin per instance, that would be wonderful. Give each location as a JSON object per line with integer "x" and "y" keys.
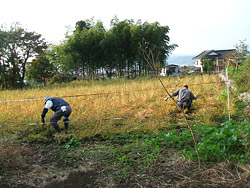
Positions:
{"x": 61, "y": 108}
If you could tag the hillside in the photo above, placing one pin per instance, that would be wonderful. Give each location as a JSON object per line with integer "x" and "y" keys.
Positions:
{"x": 180, "y": 59}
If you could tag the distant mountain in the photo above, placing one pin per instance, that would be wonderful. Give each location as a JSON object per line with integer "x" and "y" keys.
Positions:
{"x": 180, "y": 59}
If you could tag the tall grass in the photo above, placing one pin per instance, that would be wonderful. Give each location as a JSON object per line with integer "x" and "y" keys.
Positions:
{"x": 127, "y": 110}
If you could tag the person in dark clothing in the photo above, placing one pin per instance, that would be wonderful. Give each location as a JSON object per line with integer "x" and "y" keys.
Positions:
{"x": 61, "y": 108}
{"x": 185, "y": 98}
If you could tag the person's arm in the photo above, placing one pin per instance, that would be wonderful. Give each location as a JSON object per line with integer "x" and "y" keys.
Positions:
{"x": 175, "y": 93}
{"x": 172, "y": 95}
{"x": 193, "y": 97}
{"x": 48, "y": 105}
{"x": 45, "y": 110}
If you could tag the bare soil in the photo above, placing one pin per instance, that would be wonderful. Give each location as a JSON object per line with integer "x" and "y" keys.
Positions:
{"x": 50, "y": 167}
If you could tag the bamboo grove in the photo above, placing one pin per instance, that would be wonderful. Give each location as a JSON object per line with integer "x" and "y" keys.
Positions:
{"x": 88, "y": 51}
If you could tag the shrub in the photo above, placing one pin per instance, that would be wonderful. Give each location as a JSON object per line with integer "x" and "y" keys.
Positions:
{"x": 61, "y": 78}
{"x": 242, "y": 78}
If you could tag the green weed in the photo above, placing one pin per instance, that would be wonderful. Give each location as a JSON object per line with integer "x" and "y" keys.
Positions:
{"x": 74, "y": 142}
{"x": 229, "y": 141}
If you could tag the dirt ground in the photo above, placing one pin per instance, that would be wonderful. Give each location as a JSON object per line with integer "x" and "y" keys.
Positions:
{"x": 50, "y": 167}
{"x": 45, "y": 166}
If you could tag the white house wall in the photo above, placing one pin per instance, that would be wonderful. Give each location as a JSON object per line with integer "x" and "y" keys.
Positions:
{"x": 163, "y": 72}
{"x": 198, "y": 64}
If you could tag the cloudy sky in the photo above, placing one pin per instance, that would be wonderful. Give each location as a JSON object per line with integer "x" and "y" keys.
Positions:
{"x": 195, "y": 25}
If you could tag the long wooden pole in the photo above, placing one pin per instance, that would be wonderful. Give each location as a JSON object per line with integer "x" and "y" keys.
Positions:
{"x": 149, "y": 57}
{"x": 228, "y": 94}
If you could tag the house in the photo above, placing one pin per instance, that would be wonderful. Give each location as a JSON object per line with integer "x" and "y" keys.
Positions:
{"x": 216, "y": 56}
{"x": 170, "y": 70}
{"x": 193, "y": 69}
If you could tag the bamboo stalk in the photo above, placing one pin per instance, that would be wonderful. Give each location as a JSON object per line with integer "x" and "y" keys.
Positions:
{"x": 148, "y": 55}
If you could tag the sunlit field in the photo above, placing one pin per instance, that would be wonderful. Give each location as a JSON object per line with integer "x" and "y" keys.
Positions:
{"x": 118, "y": 106}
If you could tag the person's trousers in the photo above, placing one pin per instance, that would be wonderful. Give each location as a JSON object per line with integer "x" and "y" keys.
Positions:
{"x": 58, "y": 115}
{"x": 185, "y": 104}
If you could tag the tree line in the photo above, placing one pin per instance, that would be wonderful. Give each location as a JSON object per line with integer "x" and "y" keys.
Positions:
{"x": 88, "y": 51}
{"x": 17, "y": 46}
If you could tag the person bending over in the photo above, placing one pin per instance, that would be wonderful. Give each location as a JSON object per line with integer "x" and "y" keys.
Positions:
{"x": 61, "y": 108}
{"x": 185, "y": 98}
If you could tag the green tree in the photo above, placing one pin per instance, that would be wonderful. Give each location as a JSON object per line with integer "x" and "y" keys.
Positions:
{"x": 79, "y": 43}
{"x": 40, "y": 69}
{"x": 121, "y": 31}
{"x": 3, "y": 58}
{"x": 92, "y": 50}
{"x": 242, "y": 79}
{"x": 158, "y": 42}
{"x": 31, "y": 44}
{"x": 240, "y": 54}
{"x": 109, "y": 49}
{"x": 207, "y": 64}
{"x": 241, "y": 49}
{"x": 95, "y": 54}
{"x": 137, "y": 36}
{"x": 17, "y": 47}
{"x": 13, "y": 60}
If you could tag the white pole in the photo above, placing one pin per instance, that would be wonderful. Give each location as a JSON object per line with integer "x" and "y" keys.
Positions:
{"x": 228, "y": 95}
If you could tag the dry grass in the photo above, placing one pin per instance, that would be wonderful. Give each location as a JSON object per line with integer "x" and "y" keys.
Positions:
{"x": 175, "y": 172}
{"x": 140, "y": 110}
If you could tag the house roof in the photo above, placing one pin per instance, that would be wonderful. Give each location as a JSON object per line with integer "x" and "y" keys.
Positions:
{"x": 210, "y": 54}
{"x": 172, "y": 65}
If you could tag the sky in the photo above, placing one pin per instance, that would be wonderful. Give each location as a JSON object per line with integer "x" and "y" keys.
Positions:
{"x": 195, "y": 25}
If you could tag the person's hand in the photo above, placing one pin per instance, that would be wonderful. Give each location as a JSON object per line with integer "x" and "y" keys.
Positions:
{"x": 43, "y": 121}
{"x": 166, "y": 98}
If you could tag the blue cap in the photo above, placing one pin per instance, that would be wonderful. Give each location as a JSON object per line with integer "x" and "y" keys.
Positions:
{"x": 47, "y": 98}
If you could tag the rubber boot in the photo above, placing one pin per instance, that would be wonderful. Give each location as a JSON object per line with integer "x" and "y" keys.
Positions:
{"x": 56, "y": 127}
{"x": 66, "y": 127}
{"x": 66, "y": 124}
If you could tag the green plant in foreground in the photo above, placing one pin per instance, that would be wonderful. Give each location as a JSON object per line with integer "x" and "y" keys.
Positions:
{"x": 74, "y": 142}
{"x": 229, "y": 141}
{"x": 223, "y": 95}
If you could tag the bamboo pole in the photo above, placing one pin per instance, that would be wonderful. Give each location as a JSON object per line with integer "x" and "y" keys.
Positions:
{"x": 228, "y": 94}
{"x": 150, "y": 58}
